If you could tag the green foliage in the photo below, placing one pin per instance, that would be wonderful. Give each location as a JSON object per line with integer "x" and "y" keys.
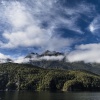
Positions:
{"x": 29, "y": 77}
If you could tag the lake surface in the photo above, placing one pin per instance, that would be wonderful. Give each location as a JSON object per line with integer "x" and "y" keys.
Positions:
{"x": 24, "y": 95}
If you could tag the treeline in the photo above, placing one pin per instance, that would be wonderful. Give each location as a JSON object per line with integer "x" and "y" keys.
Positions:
{"x": 29, "y": 77}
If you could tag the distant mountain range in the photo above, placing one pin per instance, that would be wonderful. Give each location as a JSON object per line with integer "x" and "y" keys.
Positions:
{"x": 47, "y": 55}
{"x": 56, "y": 60}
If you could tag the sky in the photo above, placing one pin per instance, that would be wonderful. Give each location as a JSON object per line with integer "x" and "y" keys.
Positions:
{"x": 70, "y": 26}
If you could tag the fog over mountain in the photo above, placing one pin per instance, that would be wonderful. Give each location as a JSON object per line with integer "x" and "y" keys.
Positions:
{"x": 47, "y": 55}
{"x": 53, "y": 60}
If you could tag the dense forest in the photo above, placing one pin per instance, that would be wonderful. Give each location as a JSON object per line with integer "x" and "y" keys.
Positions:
{"x": 28, "y": 77}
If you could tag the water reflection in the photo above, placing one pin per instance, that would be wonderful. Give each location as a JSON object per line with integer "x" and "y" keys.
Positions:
{"x": 24, "y": 95}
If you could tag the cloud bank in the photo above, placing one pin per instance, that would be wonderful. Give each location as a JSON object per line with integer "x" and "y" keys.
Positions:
{"x": 86, "y": 53}
{"x": 47, "y": 58}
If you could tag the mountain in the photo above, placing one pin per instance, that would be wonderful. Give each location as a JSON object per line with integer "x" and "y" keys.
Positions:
{"x": 29, "y": 77}
{"x": 92, "y": 67}
{"x": 57, "y": 60}
{"x": 47, "y": 55}
{"x": 51, "y": 53}
{"x": 32, "y": 55}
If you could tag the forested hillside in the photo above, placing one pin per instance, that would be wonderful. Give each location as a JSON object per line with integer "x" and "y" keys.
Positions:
{"x": 29, "y": 77}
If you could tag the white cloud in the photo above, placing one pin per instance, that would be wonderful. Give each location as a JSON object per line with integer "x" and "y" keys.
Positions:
{"x": 48, "y": 58}
{"x": 19, "y": 60}
{"x": 52, "y": 58}
{"x": 31, "y": 37}
{"x": 69, "y": 23}
{"x": 26, "y": 30}
{"x": 35, "y": 37}
{"x": 2, "y": 56}
{"x": 94, "y": 26}
{"x": 86, "y": 53}
{"x": 25, "y": 18}
{"x": 58, "y": 43}
{"x": 17, "y": 15}
{"x": 14, "y": 13}
{"x": 75, "y": 13}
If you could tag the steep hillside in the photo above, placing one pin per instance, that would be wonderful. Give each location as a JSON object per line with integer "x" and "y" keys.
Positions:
{"x": 57, "y": 60}
{"x": 29, "y": 77}
{"x": 92, "y": 67}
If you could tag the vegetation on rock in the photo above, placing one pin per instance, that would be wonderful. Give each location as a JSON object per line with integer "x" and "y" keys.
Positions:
{"x": 29, "y": 77}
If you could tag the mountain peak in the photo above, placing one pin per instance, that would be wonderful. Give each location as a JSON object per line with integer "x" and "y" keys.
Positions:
{"x": 32, "y": 55}
{"x": 47, "y": 55}
{"x": 51, "y": 53}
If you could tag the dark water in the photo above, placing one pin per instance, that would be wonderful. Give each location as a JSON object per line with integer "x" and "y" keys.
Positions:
{"x": 48, "y": 96}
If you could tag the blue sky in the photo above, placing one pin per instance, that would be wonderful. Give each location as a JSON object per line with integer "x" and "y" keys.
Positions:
{"x": 70, "y": 26}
